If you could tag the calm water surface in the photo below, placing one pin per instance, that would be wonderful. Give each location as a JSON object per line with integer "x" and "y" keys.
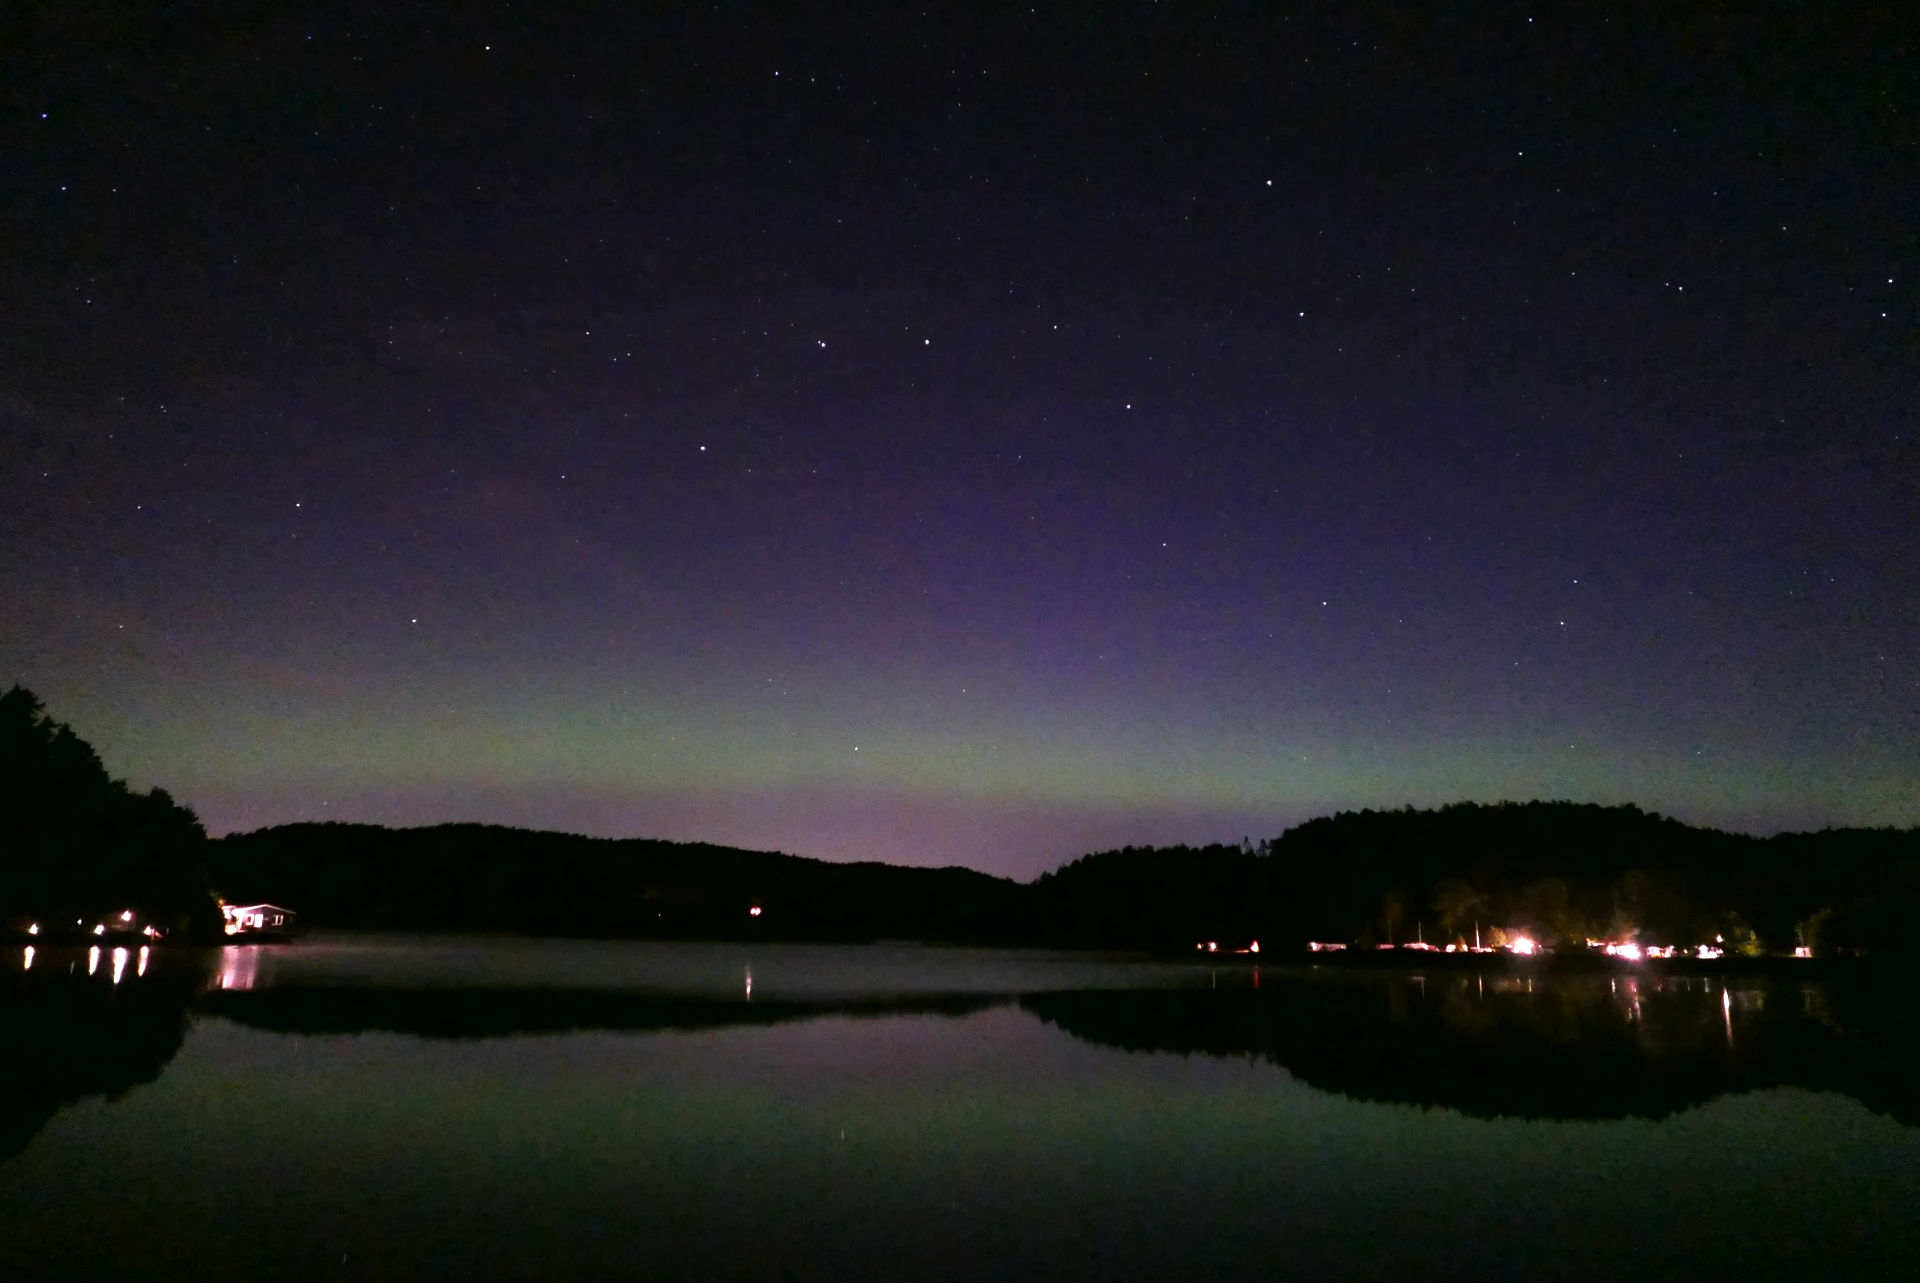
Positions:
{"x": 383, "y": 1106}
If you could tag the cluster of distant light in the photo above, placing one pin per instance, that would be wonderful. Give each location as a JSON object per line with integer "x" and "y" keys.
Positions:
{"x": 125, "y": 922}
{"x": 1520, "y": 943}
{"x": 1634, "y": 952}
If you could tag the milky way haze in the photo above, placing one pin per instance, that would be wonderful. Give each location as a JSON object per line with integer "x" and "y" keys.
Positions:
{"x": 972, "y": 436}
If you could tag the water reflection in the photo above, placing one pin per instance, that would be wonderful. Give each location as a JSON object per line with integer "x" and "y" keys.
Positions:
{"x": 240, "y": 967}
{"x": 73, "y": 1032}
{"x": 440, "y": 1013}
{"x": 1558, "y": 1048}
{"x": 1486, "y": 1045}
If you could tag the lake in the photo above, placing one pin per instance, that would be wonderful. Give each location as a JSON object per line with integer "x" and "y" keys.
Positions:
{"x": 357, "y": 1105}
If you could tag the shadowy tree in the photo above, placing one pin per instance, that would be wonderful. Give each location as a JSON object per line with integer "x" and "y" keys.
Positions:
{"x": 76, "y": 844}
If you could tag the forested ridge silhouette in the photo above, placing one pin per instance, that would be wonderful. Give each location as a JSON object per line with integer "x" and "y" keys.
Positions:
{"x": 1562, "y": 872}
{"x": 77, "y": 844}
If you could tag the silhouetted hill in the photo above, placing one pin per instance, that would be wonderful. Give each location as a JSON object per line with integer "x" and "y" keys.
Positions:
{"x": 76, "y": 844}
{"x": 1558, "y": 871}
{"x": 489, "y": 878}
{"x": 1561, "y": 871}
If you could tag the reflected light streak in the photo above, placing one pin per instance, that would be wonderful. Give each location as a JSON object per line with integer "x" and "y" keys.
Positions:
{"x": 93, "y": 960}
{"x": 27, "y": 963}
{"x": 239, "y": 967}
{"x": 141, "y": 969}
{"x": 119, "y": 963}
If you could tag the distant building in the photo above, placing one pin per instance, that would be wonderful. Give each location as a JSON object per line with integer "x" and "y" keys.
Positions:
{"x": 258, "y": 920}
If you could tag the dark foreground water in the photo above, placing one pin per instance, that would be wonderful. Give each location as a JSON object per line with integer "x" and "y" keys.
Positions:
{"x": 379, "y": 1106}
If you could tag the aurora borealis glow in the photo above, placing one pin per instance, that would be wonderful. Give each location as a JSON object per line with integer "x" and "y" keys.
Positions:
{"x": 965, "y": 438}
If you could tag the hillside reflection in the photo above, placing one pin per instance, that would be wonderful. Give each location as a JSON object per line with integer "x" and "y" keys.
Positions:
{"x": 87, "y": 1022}
{"x": 1538, "y": 1048}
{"x": 82, "y": 1023}
{"x": 442, "y": 1013}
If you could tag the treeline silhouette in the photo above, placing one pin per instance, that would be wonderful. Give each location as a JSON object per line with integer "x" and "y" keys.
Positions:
{"x": 1560, "y": 872}
{"x": 77, "y": 846}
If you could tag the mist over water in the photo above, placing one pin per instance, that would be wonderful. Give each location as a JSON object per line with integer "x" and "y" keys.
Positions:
{"x": 363, "y": 1105}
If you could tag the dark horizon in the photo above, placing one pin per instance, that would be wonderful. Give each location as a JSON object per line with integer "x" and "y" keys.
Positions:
{"x": 1069, "y": 858}
{"x": 966, "y": 436}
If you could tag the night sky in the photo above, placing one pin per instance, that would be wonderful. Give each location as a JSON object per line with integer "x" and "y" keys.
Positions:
{"x": 965, "y": 434}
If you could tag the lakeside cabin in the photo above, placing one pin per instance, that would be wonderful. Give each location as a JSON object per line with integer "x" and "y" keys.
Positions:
{"x": 258, "y": 920}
